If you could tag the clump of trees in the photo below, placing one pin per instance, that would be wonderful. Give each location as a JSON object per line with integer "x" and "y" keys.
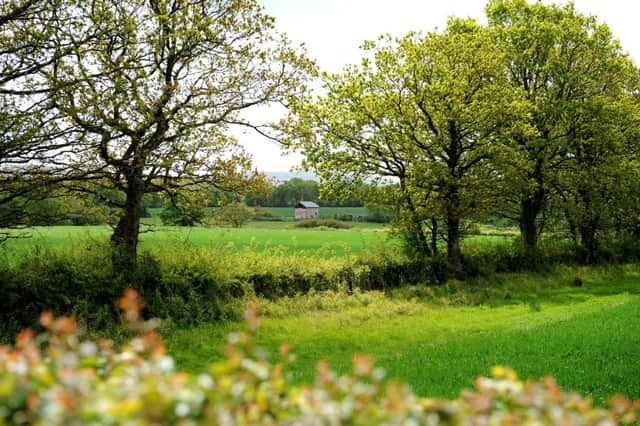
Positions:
{"x": 531, "y": 116}
{"x": 294, "y": 190}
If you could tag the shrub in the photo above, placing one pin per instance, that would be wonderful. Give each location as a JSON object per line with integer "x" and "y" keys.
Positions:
{"x": 323, "y": 223}
{"x": 60, "y": 379}
{"x": 80, "y": 281}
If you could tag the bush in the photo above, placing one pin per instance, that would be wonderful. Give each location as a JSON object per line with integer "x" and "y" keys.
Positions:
{"x": 372, "y": 218}
{"x": 190, "y": 284}
{"x": 323, "y": 223}
{"x": 183, "y": 214}
{"x": 58, "y": 378}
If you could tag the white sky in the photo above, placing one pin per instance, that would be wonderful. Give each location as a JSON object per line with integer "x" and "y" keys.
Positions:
{"x": 332, "y": 30}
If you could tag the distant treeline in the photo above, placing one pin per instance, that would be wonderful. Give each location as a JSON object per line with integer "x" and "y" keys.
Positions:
{"x": 281, "y": 194}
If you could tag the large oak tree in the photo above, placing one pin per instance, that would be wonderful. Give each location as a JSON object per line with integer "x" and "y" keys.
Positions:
{"x": 152, "y": 96}
{"x": 425, "y": 113}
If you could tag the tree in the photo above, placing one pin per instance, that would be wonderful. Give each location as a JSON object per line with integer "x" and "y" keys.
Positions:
{"x": 152, "y": 95}
{"x": 562, "y": 61}
{"x": 425, "y": 118}
{"x": 294, "y": 190}
{"x": 235, "y": 213}
{"x": 600, "y": 166}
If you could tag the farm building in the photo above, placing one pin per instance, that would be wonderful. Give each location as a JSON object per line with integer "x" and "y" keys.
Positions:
{"x": 306, "y": 210}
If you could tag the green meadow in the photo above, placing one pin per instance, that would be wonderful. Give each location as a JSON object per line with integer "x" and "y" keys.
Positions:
{"x": 258, "y": 236}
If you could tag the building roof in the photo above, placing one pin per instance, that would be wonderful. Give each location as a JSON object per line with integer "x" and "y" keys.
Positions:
{"x": 307, "y": 205}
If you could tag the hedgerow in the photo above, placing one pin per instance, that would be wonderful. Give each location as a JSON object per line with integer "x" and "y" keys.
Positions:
{"x": 190, "y": 285}
{"x": 58, "y": 378}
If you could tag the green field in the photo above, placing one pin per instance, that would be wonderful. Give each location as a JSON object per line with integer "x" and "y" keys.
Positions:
{"x": 259, "y": 236}
{"x": 438, "y": 339}
{"x": 588, "y": 338}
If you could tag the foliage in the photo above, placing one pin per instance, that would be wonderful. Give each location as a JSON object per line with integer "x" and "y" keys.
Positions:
{"x": 531, "y": 117}
{"x": 59, "y": 378}
{"x": 30, "y": 128}
{"x": 184, "y": 209}
{"x": 190, "y": 282}
{"x": 323, "y": 223}
{"x": 292, "y": 191}
{"x": 186, "y": 284}
{"x": 81, "y": 281}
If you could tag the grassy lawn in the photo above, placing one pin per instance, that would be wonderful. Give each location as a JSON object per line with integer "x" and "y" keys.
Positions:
{"x": 588, "y": 338}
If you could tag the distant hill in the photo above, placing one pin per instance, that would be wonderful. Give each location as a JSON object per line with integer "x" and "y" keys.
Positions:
{"x": 284, "y": 176}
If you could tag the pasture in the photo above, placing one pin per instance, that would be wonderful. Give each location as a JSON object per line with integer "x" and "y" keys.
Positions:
{"x": 257, "y": 236}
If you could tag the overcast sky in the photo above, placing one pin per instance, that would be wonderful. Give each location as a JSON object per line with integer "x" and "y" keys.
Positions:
{"x": 332, "y": 30}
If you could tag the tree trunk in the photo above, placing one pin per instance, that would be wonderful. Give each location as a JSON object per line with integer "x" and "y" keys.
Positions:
{"x": 125, "y": 235}
{"x": 588, "y": 241}
{"x": 434, "y": 236}
{"x": 530, "y": 209}
{"x": 454, "y": 253}
{"x": 415, "y": 236}
{"x": 588, "y": 227}
{"x": 421, "y": 240}
{"x": 573, "y": 227}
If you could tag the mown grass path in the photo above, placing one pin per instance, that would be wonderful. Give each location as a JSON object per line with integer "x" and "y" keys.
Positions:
{"x": 589, "y": 339}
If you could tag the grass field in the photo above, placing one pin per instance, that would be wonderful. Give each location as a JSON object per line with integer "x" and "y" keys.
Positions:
{"x": 257, "y": 235}
{"x": 588, "y": 338}
{"x": 260, "y": 236}
{"x": 438, "y": 339}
